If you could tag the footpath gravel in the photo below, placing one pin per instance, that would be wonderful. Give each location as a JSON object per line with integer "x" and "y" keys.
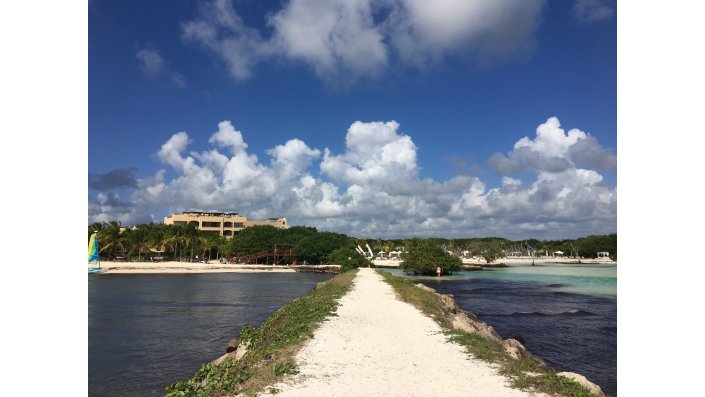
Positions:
{"x": 378, "y": 345}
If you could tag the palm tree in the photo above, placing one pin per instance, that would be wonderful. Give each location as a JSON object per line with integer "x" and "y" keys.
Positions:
{"x": 157, "y": 234}
{"x": 210, "y": 242}
{"x": 138, "y": 239}
{"x": 96, "y": 227}
{"x": 111, "y": 239}
{"x": 176, "y": 238}
{"x": 193, "y": 239}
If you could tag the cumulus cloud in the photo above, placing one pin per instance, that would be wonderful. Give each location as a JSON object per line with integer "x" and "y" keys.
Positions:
{"x": 338, "y": 38}
{"x": 373, "y": 188}
{"x": 115, "y": 179}
{"x": 154, "y": 67}
{"x": 586, "y": 11}
{"x": 553, "y": 151}
{"x": 376, "y": 154}
{"x": 424, "y": 32}
{"x": 220, "y": 30}
{"x": 345, "y": 41}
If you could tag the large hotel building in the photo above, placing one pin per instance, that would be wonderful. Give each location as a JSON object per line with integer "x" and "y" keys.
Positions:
{"x": 226, "y": 224}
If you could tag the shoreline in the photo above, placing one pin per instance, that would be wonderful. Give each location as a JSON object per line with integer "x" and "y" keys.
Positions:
{"x": 512, "y": 261}
{"x": 175, "y": 267}
{"x": 544, "y": 261}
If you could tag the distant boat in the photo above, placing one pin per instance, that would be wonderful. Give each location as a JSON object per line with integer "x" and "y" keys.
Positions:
{"x": 93, "y": 258}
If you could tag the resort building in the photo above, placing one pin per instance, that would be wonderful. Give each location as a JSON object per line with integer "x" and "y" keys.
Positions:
{"x": 226, "y": 224}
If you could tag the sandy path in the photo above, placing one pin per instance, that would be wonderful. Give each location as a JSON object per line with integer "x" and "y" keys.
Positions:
{"x": 380, "y": 346}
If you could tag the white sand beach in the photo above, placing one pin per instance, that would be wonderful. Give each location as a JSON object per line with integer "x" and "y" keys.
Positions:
{"x": 542, "y": 261}
{"x": 515, "y": 261}
{"x": 377, "y": 345}
{"x": 186, "y": 267}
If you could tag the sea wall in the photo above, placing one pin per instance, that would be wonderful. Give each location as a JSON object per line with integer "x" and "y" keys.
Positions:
{"x": 463, "y": 320}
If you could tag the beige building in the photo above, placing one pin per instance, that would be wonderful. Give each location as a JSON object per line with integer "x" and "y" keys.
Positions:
{"x": 226, "y": 224}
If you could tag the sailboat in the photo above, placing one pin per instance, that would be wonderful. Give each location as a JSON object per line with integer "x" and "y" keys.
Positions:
{"x": 93, "y": 258}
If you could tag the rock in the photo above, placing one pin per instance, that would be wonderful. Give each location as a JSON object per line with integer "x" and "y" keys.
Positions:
{"x": 236, "y": 354}
{"x": 241, "y": 351}
{"x": 519, "y": 339}
{"x": 232, "y": 345}
{"x": 426, "y": 288}
{"x": 225, "y": 357}
{"x": 514, "y": 347}
{"x": 448, "y": 304}
{"x": 592, "y": 388}
{"x": 321, "y": 284}
{"x": 469, "y": 323}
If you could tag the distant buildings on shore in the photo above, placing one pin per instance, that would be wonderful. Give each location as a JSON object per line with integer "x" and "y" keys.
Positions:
{"x": 226, "y": 224}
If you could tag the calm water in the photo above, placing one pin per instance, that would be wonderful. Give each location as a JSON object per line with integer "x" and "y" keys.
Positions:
{"x": 567, "y": 315}
{"x": 147, "y": 331}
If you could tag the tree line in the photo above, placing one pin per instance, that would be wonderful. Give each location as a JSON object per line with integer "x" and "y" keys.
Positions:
{"x": 185, "y": 242}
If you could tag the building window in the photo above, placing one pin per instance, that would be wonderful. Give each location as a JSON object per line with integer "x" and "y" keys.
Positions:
{"x": 227, "y": 232}
{"x": 238, "y": 224}
{"x": 210, "y": 224}
{"x": 228, "y": 224}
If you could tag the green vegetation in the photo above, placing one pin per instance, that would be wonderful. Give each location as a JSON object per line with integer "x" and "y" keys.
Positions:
{"x": 185, "y": 242}
{"x": 525, "y": 372}
{"x": 348, "y": 259}
{"x": 424, "y": 256}
{"x": 495, "y": 247}
{"x": 492, "y": 252}
{"x": 270, "y": 348}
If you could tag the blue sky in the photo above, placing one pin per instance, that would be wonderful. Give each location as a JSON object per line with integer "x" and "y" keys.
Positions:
{"x": 463, "y": 83}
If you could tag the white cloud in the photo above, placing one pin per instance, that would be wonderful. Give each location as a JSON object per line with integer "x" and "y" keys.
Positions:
{"x": 227, "y": 136}
{"x": 220, "y": 30}
{"x": 424, "y": 32}
{"x": 373, "y": 188}
{"x": 376, "y": 155}
{"x": 344, "y": 41}
{"x": 154, "y": 66}
{"x": 553, "y": 150}
{"x": 586, "y": 11}
{"x": 338, "y": 38}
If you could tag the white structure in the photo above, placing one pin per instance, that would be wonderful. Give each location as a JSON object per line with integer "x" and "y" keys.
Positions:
{"x": 394, "y": 254}
{"x": 558, "y": 253}
{"x": 603, "y": 255}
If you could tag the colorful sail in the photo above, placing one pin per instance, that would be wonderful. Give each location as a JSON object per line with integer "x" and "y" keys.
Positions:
{"x": 93, "y": 249}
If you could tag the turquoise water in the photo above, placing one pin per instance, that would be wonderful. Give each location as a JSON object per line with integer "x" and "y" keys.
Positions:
{"x": 577, "y": 279}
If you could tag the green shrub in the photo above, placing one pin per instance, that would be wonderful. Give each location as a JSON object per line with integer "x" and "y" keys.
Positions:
{"x": 423, "y": 256}
{"x": 348, "y": 259}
